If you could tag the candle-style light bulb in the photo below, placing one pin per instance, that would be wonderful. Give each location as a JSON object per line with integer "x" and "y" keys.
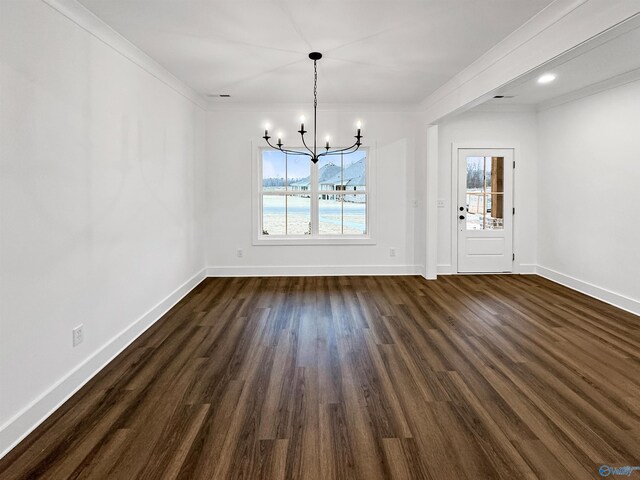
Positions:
{"x": 358, "y": 126}
{"x": 266, "y": 129}
{"x": 279, "y": 136}
{"x": 327, "y": 139}
{"x": 301, "y": 123}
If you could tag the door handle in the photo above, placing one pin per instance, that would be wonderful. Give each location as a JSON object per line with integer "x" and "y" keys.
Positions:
{"x": 461, "y": 217}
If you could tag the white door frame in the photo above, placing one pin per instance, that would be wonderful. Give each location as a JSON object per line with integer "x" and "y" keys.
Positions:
{"x": 453, "y": 210}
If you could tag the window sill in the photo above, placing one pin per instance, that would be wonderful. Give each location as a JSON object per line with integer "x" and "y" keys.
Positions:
{"x": 314, "y": 241}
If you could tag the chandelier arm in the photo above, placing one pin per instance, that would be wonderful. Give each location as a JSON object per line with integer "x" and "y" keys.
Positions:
{"x": 336, "y": 153}
{"x": 284, "y": 150}
{"x": 295, "y": 152}
{"x": 305, "y": 146}
{"x": 341, "y": 150}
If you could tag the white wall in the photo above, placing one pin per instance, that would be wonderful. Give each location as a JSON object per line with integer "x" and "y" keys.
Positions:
{"x": 589, "y": 232}
{"x": 420, "y": 195}
{"x": 101, "y": 206}
{"x": 235, "y": 137}
{"x": 517, "y": 129}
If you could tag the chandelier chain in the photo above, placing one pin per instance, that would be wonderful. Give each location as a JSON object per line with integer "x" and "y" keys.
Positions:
{"x": 315, "y": 84}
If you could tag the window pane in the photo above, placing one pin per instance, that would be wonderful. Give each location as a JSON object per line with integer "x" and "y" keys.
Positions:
{"x": 354, "y": 171}
{"x": 273, "y": 170}
{"x": 343, "y": 172}
{"x": 329, "y": 174}
{"x": 274, "y": 215}
{"x": 298, "y": 214}
{"x": 298, "y": 173}
{"x": 342, "y": 214}
{"x": 330, "y": 214}
{"x": 354, "y": 219}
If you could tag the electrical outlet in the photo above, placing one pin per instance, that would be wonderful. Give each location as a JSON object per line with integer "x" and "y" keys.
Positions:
{"x": 441, "y": 203}
{"x": 392, "y": 252}
{"x": 239, "y": 253}
{"x": 78, "y": 335}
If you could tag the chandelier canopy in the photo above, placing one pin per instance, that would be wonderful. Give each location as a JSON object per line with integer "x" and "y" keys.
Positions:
{"x": 313, "y": 153}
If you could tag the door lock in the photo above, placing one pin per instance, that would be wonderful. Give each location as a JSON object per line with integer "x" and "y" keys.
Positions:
{"x": 461, "y": 217}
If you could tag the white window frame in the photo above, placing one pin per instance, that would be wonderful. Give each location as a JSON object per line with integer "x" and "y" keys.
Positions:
{"x": 315, "y": 238}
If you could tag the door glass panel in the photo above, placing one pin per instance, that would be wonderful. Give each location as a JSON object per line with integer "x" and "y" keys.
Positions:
{"x": 495, "y": 174}
{"x": 475, "y": 210}
{"x": 485, "y": 193}
{"x": 475, "y": 174}
{"x": 494, "y": 219}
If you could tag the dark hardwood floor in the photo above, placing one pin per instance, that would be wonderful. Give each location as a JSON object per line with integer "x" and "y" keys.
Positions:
{"x": 472, "y": 377}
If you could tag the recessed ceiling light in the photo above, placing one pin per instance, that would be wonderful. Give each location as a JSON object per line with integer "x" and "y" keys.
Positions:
{"x": 546, "y": 78}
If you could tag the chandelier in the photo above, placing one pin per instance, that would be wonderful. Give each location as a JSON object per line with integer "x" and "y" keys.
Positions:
{"x": 313, "y": 153}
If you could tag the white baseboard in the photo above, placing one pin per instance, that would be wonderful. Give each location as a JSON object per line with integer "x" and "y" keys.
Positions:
{"x": 526, "y": 268}
{"x": 519, "y": 269}
{"x": 313, "y": 270}
{"x": 607, "y": 296}
{"x": 25, "y": 421}
{"x": 445, "y": 269}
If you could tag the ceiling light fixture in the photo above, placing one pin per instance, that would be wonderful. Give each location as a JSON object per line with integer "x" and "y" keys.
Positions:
{"x": 546, "y": 78}
{"x": 313, "y": 153}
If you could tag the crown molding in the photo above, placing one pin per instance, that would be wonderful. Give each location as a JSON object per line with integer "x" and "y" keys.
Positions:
{"x": 325, "y": 107}
{"x": 88, "y": 21}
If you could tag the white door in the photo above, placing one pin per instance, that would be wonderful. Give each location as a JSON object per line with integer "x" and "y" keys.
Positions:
{"x": 485, "y": 210}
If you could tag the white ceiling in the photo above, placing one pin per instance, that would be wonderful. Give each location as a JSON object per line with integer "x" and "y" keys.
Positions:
{"x": 391, "y": 51}
{"x": 599, "y": 63}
